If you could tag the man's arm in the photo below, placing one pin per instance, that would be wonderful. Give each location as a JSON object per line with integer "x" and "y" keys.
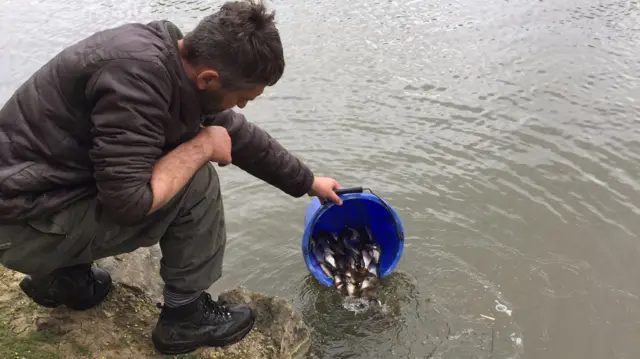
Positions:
{"x": 131, "y": 108}
{"x": 174, "y": 170}
{"x": 256, "y": 152}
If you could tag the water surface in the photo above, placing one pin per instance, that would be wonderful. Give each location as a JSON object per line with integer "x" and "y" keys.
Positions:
{"x": 505, "y": 133}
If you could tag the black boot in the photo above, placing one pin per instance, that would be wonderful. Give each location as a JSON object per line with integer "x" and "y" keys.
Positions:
{"x": 201, "y": 323}
{"x": 78, "y": 287}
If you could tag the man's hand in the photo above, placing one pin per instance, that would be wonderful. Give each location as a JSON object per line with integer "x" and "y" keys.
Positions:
{"x": 323, "y": 188}
{"x": 218, "y": 144}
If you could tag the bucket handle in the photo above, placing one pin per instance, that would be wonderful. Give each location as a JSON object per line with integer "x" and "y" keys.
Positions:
{"x": 349, "y": 190}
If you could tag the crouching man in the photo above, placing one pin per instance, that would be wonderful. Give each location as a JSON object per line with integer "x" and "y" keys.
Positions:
{"x": 109, "y": 147}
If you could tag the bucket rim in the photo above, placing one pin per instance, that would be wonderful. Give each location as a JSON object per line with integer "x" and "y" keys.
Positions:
{"x": 366, "y": 196}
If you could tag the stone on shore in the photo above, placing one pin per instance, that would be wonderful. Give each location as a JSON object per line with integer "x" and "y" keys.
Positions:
{"x": 138, "y": 269}
{"x": 120, "y": 327}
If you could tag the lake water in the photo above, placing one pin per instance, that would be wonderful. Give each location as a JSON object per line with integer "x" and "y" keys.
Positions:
{"x": 505, "y": 133}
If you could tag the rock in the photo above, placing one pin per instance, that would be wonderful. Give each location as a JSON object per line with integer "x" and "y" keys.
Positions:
{"x": 139, "y": 269}
{"x": 120, "y": 327}
{"x": 280, "y": 332}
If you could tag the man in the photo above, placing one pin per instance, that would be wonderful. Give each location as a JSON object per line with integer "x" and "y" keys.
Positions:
{"x": 108, "y": 148}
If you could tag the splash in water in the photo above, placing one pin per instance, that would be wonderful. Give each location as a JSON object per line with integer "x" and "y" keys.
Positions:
{"x": 361, "y": 304}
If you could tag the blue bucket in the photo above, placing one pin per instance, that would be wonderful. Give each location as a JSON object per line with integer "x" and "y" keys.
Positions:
{"x": 357, "y": 209}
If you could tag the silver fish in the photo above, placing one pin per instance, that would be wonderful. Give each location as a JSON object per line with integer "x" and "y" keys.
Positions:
{"x": 351, "y": 263}
{"x": 373, "y": 269}
{"x": 351, "y": 289}
{"x": 326, "y": 270}
{"x": 366, "y": 258}
{"x": 366, "y": 284}
{"x": 329, "y": 259}
{"x": 374, "y": 251}
{"x": 350, "y": 258}
{"x": 376, "y": 254}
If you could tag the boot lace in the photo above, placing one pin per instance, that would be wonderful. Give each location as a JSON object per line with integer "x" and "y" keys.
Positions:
{"x": 213, "y": 308}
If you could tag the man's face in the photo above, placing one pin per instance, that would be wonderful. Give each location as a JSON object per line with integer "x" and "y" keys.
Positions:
{"x": 212, "y": 99}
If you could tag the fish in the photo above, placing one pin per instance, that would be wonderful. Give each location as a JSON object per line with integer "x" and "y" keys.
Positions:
{"x": 341, "y": 264}
{"x": 373, "y": 269}
{"x": 350, "y": 257}
{"x": 348, "y": 233}
{"x": 324, "y": 239}
{"x": 326, "y": 270}
{"x": 376, "y": 254}
{"x": 351, "y": 289}
{"x": 375, "y": 251}
{"x": 339, "y": 249}
{"x": 352, "y": 262}
{"x": 366, "y": 284}
{"x": 328, "y": 257}
{"x": 353, "y": 234}
{"x": 366, "y": 259}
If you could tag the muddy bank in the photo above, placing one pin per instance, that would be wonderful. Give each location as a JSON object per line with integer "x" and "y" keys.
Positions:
{"x": 121, "y": 326}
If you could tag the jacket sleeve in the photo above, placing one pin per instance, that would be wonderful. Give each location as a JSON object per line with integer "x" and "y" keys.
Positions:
{"x": 130, "y": 100}
{"x": 257, "y": 153}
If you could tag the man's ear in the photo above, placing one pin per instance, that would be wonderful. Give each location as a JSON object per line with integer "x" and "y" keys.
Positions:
{"x": 208, "y": 80}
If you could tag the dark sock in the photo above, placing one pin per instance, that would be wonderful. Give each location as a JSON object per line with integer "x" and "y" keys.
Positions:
{"x": 174, "y": 299}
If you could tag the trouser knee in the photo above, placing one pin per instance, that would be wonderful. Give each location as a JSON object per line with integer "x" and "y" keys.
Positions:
{"x": 204, "y": 186}
{"x": 193, "y": 246}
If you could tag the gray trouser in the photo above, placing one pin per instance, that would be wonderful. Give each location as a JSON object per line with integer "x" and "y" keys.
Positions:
{"x": 190, "y": 229}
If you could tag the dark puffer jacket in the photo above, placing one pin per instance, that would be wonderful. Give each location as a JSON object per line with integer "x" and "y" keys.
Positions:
{"x": 96, "y": 117}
